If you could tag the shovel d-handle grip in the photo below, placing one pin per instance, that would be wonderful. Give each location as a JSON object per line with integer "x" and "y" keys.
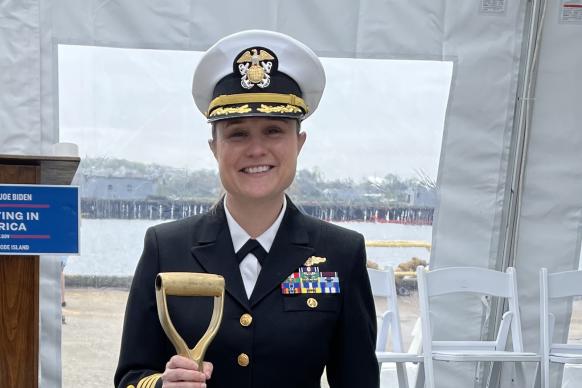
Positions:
{"x": 190, "y": 284}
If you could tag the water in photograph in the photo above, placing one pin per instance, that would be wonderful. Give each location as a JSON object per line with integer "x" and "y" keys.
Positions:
{"x": 112, "y": 247}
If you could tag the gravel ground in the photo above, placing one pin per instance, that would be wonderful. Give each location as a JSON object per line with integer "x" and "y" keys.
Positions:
{"x": 92, "y": 334}
{"x": 94, "y": 319}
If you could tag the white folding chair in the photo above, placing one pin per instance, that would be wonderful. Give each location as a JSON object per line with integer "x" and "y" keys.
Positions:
{"x": 383, "y": 285}
{"x": 480, "y": 281}
{"x": 552, "y": 286}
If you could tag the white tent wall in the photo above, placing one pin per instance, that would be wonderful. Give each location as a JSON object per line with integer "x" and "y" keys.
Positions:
{"x": 27, "y": 127}
{"x": 551, "y": 208}
{"x": 474, "y": 161}
{"x": 486, "y": 49}
{"x": 365, "y": 28}
{"x": 20, "y": 124}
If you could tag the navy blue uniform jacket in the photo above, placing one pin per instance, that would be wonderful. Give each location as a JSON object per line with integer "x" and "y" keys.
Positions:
{"x": 288, "y": 342}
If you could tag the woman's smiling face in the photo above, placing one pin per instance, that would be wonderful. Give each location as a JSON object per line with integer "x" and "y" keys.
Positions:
{"x": 257, "y": 156}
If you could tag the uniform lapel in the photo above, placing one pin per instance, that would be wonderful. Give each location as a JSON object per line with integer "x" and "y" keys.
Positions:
{"x": 215, "y": 253}
{"x": 289, "y": 251}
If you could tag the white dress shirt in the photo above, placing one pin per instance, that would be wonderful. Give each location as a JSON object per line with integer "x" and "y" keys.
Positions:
{"x": 249, "y": 266}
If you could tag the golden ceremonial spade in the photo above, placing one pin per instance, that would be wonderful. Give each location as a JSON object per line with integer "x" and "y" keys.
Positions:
{"x": 190, "y": 284}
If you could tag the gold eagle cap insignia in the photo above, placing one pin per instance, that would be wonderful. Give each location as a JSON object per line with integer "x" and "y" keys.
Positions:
{"x": 261, "y": 56}
{"x": 314, "y": 260}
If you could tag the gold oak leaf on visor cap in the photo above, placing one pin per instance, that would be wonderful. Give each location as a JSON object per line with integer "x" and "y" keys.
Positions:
{"x": 258, "y": 73}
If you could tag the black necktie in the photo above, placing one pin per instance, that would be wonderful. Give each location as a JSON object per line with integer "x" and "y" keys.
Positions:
{"x": 254, "y": 247}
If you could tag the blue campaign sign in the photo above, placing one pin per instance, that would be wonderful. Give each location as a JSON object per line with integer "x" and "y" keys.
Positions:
{"x": 37, "y": 219}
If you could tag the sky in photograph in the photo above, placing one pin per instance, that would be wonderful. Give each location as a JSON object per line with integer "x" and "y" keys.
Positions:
{"x": 376, "y": 116}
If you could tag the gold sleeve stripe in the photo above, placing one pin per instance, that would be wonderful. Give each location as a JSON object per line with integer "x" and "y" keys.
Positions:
{"x": 142, "y": 382}
{"x": 246, "y": 98}
{"x": 146, "y": 382}
{"x": 152, "y": 382}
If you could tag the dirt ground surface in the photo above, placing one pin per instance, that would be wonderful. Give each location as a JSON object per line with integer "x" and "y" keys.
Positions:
{"x": 94, "y": 319}
{"x": 92, "y": 334}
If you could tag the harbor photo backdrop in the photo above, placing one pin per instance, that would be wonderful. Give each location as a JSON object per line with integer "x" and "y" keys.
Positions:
{"x": 113, "y": 247}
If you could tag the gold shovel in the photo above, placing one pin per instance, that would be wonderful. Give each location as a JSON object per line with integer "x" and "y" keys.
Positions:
{"x": 190, "y": 284}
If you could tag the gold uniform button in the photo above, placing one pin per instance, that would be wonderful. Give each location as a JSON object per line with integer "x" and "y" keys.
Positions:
{"x": 246, "y": 320}
{"x": 243, "y": 359}
{"x": 312, "y": 302}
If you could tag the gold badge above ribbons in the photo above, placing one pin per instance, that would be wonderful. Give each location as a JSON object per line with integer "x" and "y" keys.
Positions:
{"x": 314, "y": 260}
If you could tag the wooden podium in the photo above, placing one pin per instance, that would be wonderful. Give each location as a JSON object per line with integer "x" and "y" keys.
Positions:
{"x": 19, "y": 276}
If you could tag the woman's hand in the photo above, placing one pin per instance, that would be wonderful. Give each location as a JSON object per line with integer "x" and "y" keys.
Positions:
{"x": 182, "y": 372}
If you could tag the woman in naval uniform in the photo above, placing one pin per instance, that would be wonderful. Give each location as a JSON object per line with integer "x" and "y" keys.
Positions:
{"x": 297, "y": 298}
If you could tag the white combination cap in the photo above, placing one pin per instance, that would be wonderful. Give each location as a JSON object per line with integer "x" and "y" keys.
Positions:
{"x": 258, "y": 73}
